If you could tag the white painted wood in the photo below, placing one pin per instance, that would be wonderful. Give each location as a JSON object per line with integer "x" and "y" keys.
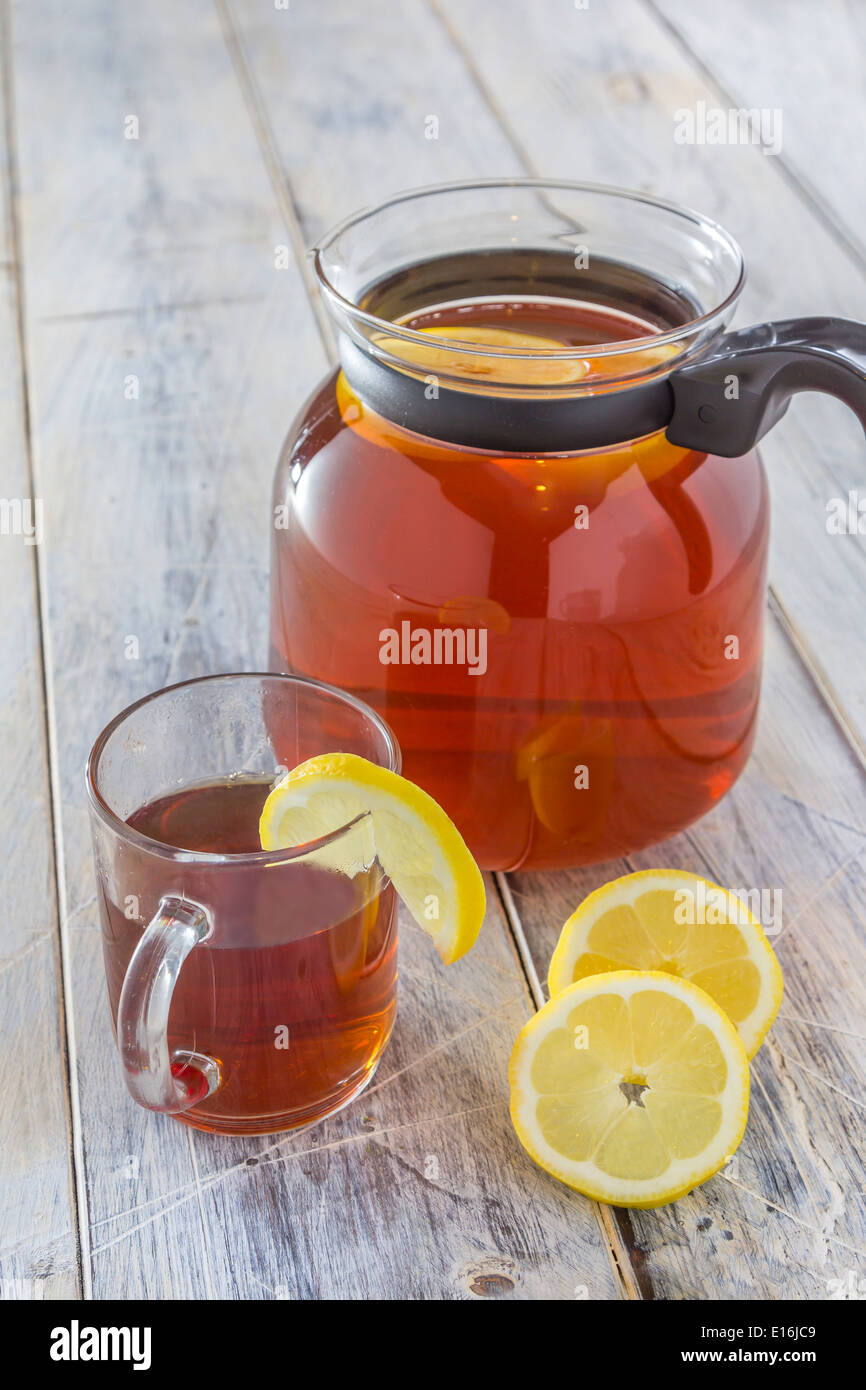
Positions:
{"x": 152, "y": 538}
{"x": 349, "y": 126}
{"x": 805, "y": 61}
{"x": 38, "y": 1238}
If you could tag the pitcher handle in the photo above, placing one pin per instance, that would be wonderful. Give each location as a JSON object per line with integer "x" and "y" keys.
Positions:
{"x": 728, "y": 400}
{"x": 157, "y": 1079}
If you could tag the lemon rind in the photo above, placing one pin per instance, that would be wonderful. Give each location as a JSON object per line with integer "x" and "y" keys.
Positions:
{"x": 631, "y": 886}
{"x": 378, "y": 788}
{"x": 582, "y": 1176}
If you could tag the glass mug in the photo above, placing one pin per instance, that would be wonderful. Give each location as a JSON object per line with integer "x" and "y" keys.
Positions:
{"x": 251, "y": 991}
{"x": 536, "y": 542}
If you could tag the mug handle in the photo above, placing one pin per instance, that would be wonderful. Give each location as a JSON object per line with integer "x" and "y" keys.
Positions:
{"x": 728, "y": 400}
{"x": 157, "y": 1079}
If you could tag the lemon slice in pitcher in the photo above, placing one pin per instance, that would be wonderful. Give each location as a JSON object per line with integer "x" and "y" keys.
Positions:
{"x": 543, "y": 370}
{"x": 417, "y": 845}
{"x": 665, "y": 919}
{"x": 631, "y": 1087}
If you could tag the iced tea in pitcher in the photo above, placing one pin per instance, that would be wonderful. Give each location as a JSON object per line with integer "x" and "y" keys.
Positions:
{"x": 525, "y": 519}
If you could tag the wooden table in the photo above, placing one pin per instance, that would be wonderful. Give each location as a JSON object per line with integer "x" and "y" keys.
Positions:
{"x": 153, "y": 356}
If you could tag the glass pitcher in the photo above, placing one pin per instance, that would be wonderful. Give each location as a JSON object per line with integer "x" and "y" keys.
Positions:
{"x": 525, "y": 520}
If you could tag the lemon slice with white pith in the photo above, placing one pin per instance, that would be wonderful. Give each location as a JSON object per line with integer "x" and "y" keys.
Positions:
{"x": 417, "y": 845}
{"x": 519, "y": 370}
{"x": 666, "y": 919}
{"x": 632, "y": 1087}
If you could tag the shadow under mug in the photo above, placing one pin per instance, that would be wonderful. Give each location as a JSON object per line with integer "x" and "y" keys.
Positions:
{"x": 251, "y": 991}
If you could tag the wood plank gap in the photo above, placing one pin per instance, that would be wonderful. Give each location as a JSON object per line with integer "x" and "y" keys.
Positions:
{"x": 815, "y": 672}
{"x": 165, "y": 307}
{"x": 280, "y": 183}
{"x": 807, "y": 195}
{"x": 484, "y": 91}
{"x": 521, "y": 945}
{"x": 614, "y": 1223}
{"x": 210, "y": 1292}
{"x": 68, "y": 1060}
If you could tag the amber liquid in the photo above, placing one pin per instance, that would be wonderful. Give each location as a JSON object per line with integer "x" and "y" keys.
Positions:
{"x": 622, "y": 593}
{"x": 294, "y": 995}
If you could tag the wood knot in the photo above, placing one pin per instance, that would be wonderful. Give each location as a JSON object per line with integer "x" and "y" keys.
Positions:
{"x": 494, "y": 1277}
{"x": 491, "y": 1285}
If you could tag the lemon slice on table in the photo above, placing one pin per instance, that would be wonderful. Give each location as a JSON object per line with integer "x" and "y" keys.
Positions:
{"x": 631, "y": 1087}
{"x": 543, "y": 370}
{"x": 417, "y": 845}
{"x": 665, "y": 919}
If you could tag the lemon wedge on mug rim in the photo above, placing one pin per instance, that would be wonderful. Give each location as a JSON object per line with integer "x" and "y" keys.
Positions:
{"x": 632, "y": 1087}
{"x": 417, "y": 845}
{"x": 684, "y": 925}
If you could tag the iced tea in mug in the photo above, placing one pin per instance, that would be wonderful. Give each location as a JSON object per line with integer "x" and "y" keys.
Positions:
{"x": 251, "y": 991}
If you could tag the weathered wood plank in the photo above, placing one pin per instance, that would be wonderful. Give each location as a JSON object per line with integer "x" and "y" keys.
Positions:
{"x": 348, "y": 103}
{"x": 165, "y": 500}
{"x": 39, "y": 1246}
{"x": 148, "y": 542}
{"x": 155, "y": 209}
{"x": 805, "y": 61}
